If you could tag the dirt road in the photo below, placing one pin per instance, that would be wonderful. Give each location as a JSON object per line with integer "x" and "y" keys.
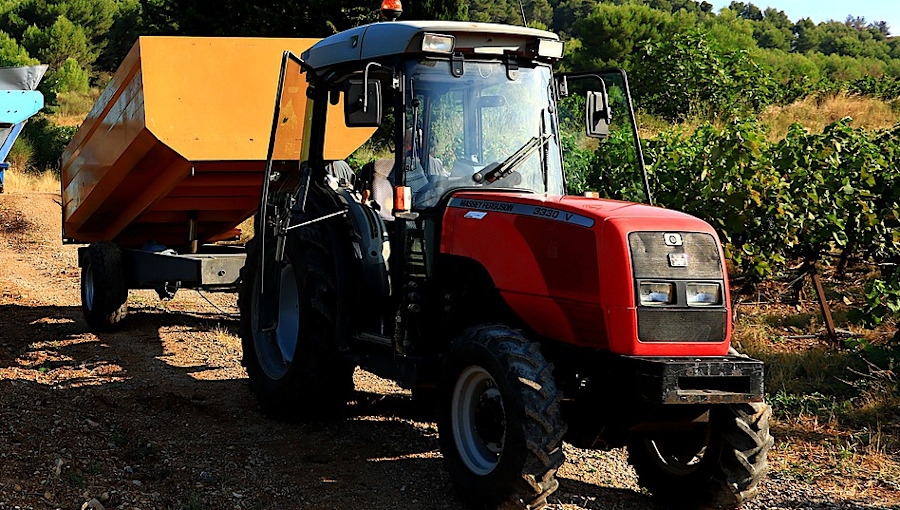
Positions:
{"x": 158, "y": 414}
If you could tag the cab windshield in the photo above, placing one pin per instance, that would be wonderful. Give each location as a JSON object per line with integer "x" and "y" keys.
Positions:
{"x": 493, "y": 116}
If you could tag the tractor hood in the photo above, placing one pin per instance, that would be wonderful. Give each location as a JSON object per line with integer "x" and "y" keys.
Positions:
{"x": 564, "y": 264}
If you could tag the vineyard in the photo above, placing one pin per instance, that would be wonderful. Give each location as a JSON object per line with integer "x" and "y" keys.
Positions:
{"x": 831, "y": 198}
{"x": 807, "y": 203}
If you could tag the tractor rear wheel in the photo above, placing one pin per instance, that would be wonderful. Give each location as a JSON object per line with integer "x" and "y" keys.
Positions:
{"x": 500, "y": 429}
{"x": 103, "y": 287}
{"x": 719, "y": 466}
{"x": 288, "y": 335}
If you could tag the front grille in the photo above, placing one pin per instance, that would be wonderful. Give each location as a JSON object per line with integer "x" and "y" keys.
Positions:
{"x": 650, "y": 256}
{"x": 681, "y": 325}
{"x": 676, "y": 322}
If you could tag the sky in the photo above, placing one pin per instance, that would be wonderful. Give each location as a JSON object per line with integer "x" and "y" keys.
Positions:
{"x": 824, "y": 10}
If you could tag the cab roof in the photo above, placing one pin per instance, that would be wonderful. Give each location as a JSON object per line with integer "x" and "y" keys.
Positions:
{"x": 377, "y": 40}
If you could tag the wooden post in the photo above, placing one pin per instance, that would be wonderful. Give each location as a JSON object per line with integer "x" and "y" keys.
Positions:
{"x": 826, "y": 310}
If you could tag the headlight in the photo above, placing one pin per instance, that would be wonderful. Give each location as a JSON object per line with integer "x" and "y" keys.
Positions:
{"x": 437, "y": 43}
{"x": 549, "y": 48}
{"x": 655, "y": 294}
{"x": 704, "y": 294}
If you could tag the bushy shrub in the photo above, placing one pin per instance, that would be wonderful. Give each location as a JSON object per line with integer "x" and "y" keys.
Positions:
{"x": 690, "y": 75}
{"x": 69, "y": 78}
{"x": 20, "y": 153}
{"x": 48, "y": 141}
{"x": 882, "y": 303}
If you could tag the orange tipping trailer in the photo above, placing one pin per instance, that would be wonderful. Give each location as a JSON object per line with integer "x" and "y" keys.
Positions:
{"x": 171, "y": 159}
{"x": 174, "y": 150}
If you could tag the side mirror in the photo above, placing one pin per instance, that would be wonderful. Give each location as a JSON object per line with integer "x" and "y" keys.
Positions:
{"x": 362, "y": 103}
{"x": 597, "y": 114}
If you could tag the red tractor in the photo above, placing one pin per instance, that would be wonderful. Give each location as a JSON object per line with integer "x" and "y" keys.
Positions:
{"x": 460, "y": 269}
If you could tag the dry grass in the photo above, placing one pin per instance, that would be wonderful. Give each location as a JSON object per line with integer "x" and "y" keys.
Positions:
{"x": 816, "y": 112}
{"x": 74, "y": 107}
{"x": 246, "y": 228}
{"x": 813, "y": 113}
{"x": 845, "y": 469}
{"x": 43, "y": 182}
{"x": 222, "y": 335}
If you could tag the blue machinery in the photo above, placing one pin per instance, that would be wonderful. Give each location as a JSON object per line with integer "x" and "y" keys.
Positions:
{"x": 18, "y": 102}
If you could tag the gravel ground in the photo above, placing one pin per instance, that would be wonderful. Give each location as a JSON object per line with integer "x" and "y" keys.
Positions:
{"x": 158, "y": 415}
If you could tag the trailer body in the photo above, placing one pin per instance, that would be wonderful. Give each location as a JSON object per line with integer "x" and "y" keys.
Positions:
{"x": 174, "y": 150}
{"x": 170, "y": 160}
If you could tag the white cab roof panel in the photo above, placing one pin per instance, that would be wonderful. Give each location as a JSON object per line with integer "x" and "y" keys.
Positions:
{"x": 377, "y": 40}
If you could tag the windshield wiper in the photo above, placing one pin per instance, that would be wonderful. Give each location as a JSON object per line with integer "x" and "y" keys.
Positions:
{"x": 497, "y": 171}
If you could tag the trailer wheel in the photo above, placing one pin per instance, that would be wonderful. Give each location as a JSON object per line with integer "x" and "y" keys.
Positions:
{"x": 716, "y": 467}
{"x": 103, "y": 287}
{"x": 294, "y": 367}
{"x": 500, "y": 428}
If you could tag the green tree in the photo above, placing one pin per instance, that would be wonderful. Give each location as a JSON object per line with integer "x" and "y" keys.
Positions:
{"x": 314, "y": 18}
{"x": 882, "y": 27}
{"x": 93, "y": 17}
{"x": 690, "y": 75}
{"x": 495, "y": 11}
{"x": 807, "y": 36}
{"x": 13, "y": 55}
{"x": 611, "y": 35}
{"x": 774, "y": 30}
{"x": 128, "y": 24}
{"x": 729, "y": 31}
{"x": 746, "y": 11}
{"x": 57, "y": 43}
{"x": 437, "y": 9}
{"x": 777, "y": 18}
{"x": 769, "y": 36}
{"x": 566, "y": 13}
{"x": 70, "y": 77}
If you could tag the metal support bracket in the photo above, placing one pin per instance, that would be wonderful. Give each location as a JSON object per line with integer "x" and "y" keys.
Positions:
{"x": 456, "y": 65}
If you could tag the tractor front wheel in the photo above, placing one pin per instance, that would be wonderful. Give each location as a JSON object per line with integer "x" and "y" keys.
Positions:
{"x": 500, "y": 429}
{"x": 718, "y": 466}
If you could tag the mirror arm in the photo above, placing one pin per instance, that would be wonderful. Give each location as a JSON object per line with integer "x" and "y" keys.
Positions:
{"x": 637, "y": 138}
{"x": 366, "y": 84}
{"x": 606, "y": 111}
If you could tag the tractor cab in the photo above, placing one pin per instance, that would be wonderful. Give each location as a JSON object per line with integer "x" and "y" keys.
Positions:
{"x": 470, "y": 107}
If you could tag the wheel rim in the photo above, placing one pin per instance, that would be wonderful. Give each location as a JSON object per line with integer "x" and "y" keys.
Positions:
{"x": 479, "y": 420}
{"x": 275, "y": 349}
{"x": 673, "y": 457}
{"x": 87, "y": 286}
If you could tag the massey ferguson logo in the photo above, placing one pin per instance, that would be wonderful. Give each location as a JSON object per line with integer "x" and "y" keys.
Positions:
{"x": 673, "y": 239}
{"x": 486, "y": 205}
